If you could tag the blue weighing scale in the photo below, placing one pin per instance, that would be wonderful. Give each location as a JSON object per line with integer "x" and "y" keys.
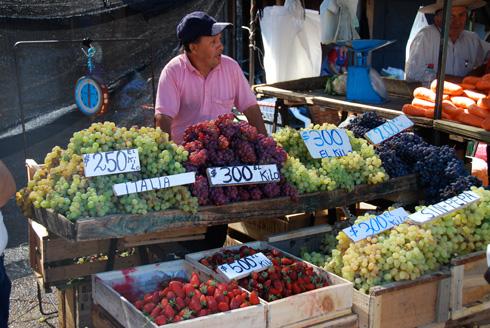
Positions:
{"x": 362, "y": 86}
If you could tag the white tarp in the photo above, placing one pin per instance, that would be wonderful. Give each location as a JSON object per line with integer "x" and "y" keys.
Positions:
{"x": 291, "y": 50}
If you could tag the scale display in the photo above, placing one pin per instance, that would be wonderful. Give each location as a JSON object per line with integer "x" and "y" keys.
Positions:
{"x": 91, "y": 96}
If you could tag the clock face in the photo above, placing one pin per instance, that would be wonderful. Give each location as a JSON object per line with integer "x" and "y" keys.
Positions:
{"x": 91, "y": 96}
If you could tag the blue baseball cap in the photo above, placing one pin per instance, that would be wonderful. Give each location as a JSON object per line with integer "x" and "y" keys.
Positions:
{"x": 197, "y": 24}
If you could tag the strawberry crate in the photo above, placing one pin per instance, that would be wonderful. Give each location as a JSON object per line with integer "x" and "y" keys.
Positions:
{"x": 144, "y": 279}
{"x": 300, "y": 310}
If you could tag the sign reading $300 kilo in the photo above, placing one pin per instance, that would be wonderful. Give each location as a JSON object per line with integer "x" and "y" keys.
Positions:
{"x": 243, "y": 174}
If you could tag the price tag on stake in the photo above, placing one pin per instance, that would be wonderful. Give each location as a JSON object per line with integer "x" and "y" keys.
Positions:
{"x": 446, "y": 207}
{"x": 245, "y": 174}
{"x": 376, "y": 225}
{"x": 245, "y": 266}
{"x": 111, "y": 162}
{"x": 388, "y": 129}
{"x": 168, "y": 181}
{"x": 326, "y": 143}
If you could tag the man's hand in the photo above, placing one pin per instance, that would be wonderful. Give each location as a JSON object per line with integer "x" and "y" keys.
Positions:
{"x": 7, "y": 184}
{"x": 254, "y": 117}
{"x": 164, "y": 122}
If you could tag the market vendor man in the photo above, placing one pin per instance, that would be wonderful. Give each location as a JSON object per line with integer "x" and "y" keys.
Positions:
{"x": 200, "y": 84}
{"x": 466, "y": 51}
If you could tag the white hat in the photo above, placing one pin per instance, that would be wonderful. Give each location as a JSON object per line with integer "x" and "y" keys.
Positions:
{"x": 470, "y": 4}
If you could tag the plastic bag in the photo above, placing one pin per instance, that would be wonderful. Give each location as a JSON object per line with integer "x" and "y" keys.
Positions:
{"x": 338, "y": 20}
{"x": 290, "y": 51}
{"x": 296, "y": 10}
{"x": 419, "y": 23}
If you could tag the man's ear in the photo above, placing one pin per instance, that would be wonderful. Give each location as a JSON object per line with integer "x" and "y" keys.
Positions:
{"x": 192, "y": 47}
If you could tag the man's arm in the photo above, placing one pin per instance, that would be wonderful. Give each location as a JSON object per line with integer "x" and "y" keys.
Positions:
{"x": 7, "y": 185}
{"x": 164, "y": 122}
{"x": 254, "y": 117}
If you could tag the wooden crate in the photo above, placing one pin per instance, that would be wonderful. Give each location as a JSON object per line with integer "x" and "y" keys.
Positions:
{"x": 301, "y": 310}
{"x": 54, "y": 259}
{"x": 145, "y": 279}
{"x": 405, "y": 304}
{"x": 122, "y": 225}
{"x": 75, "y": 305}
{"x": 470, "y": 293}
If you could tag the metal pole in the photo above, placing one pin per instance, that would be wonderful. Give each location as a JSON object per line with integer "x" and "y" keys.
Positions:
{"x": 441, "y": 66}
{"x": 251, "y": 44}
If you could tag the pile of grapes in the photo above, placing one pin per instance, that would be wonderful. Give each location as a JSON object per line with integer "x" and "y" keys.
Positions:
{"x": 223, "y": 142}
{"x": 61, "y": 185}
{"x": 441, "y": 174}
{"x": 409, "y": 251}
{"x": 361, "y": 166}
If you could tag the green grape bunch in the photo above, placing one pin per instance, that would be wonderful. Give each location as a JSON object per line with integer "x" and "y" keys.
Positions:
{"x": 61, "y": 185}
{"x": 361, "y": 166}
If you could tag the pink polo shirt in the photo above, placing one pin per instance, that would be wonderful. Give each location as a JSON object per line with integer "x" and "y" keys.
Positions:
{"x": 189, "y": 98}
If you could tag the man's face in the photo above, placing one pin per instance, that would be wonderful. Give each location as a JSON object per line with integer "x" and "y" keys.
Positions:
{"x": 458, "y": 20}
{"x": 208, "y": 50}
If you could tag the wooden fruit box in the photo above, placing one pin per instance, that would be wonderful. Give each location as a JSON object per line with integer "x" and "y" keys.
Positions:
{"x": 145, "y": 279}
{"x": 470, "y": 293}
{"x": 300, "y": 310}
{"x": 405, "y": 304}
{"x": 122, "y": 225}
{"x": 56, "y": 260}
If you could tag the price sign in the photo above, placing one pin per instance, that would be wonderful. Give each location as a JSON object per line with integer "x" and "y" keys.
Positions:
{"x": 326, "y": 143}
{"x": 376, "y": 225}
{"x": 448, "y": 206}
{"x": 246, "y": 174}
{"x": 388, "y": 129}
{"x": 244, "y": 266}
{"x": 168, "y": 181}
{"x": 111, "y": 162}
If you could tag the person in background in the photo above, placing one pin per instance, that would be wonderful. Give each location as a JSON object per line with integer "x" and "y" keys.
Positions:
{"x": 200, "y": 84}
{"x": 7, "y": 190}
{"x": 466, "y": 50}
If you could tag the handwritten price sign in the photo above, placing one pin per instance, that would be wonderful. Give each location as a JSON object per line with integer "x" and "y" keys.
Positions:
{"x": 326, "y": 143}
{"x": 448, "y": 206}
{"x": 388, "y": 129}
{"x": 376, "y": 225}
{"x": 244, "y": 266}
{"x": 111, "y": 162}
{"x": 246, "y": 174}
{"x": 168, "y": 181}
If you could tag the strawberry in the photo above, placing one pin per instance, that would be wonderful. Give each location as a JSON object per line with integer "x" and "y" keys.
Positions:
{"x": 203, "y": 300}
{"x": 177, "y": 318}
{"x": 223, "y": 307}
{"x": 194, "y": 281}
{"x": 218, "y": 295}
{"x": 171, "y": 296}
{"x": 212, "y": 304}
{"x": 211, "y": 287}
{"x": 296, "y": 288}
{"x": 148, "y": 307}
{"x": 156, "y": 312}
{"x": 254, "y": 298}
{"x": 236, "y": 302}
{"x": 203, "y": 289}
{"x": 148, "y": 297}
{"x": 139, "y": 304}
{"x": 169, "y": 312}
{"x": 189, "y": 290}
{"x": 176, "y": 287}
{"x": 179, "y": 303}
{"x": 186, "y": 314}
{"x": 278, "y": 285}
{"x": 160, "y": 320}
{"x": 164, "y": 303}
{"x": 203, "y": 313}
{"x": 286, "y": 261}
{"x": 276, "y": 252}
{"x": 195, "y": 304}
{"x": 205, "y": 262}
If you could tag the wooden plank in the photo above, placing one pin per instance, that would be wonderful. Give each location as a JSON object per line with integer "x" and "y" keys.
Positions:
{"x": 102, "y": 319}
{"x": 443, "y": 300}
{"x": 70, "y": 308}
{"x": 475, "y": 256}
{"x": 398, "y": 285}
{"x": 116, "y": 226}
{"x": 464, "y": 130}
{"x": 300, "y": 233}
{"x": 348, "y": 321}
{"x": 457, "y": 274}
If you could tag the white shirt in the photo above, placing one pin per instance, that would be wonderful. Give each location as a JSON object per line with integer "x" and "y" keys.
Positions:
{"x": 3, "y": 235}
{"x": 463, "y": 56}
